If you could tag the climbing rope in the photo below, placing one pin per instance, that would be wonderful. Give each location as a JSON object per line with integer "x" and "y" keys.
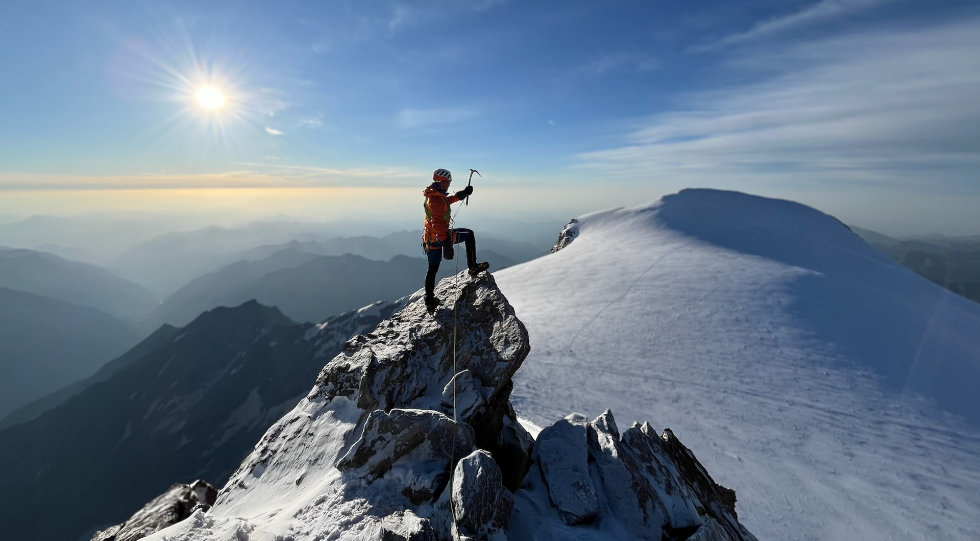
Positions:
{"x": 452, "y": 452}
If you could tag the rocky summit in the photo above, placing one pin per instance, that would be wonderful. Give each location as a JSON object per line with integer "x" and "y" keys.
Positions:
{"x": 409, "y": 434}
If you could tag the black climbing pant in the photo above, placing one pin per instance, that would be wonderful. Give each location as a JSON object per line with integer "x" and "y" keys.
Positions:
{"x": 438, "y": 250}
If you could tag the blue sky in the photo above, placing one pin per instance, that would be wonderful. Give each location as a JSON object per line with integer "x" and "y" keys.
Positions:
{"x": 866, "y": 109}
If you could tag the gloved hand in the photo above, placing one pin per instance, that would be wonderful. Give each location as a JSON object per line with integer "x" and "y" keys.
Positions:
{"x": 465, "y": 192}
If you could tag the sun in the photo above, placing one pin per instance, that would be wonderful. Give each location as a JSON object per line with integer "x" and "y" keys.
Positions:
{"x": 210, "y": 98}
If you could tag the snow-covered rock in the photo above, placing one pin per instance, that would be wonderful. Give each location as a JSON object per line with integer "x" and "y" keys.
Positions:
{"x": 561, "y": 451}
{"x": 639, "y": 484}
{"x": 427, "y": 441}
{"x": 373, "y": 451}
{"x": 169, "y": 508}
{"x": 567, "y": 235}
{"x": 481, "y": 503}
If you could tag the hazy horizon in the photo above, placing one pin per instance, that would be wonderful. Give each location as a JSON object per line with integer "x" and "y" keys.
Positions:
{"x": 388, "y": 210}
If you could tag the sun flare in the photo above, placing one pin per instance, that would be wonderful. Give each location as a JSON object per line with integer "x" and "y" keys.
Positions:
{"x": 210, "y": 98}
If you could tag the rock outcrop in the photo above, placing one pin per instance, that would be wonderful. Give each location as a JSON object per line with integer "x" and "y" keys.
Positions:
{"x": 567, "y": 235}
{"x": 382, "y": 412}
{"x": 409, "y": 434}
{"x": 649, "y": 484}
{"x": 481, "y": 503}
{"x": 167, "y": 509}
{"x": 562, "y": 454}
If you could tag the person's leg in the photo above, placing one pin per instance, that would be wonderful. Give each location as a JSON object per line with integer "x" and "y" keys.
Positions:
{"x": 434, "y": 256}
{"x": 467, "y": 237}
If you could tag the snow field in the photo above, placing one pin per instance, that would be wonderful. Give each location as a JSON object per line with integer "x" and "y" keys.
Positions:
{"x": 766, "y": 350}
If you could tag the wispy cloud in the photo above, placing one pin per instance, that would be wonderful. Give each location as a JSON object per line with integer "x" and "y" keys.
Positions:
{"x": 246, "y": 175}
{"x": 483, "y": 5}
{"x": 609, "y": 62}
{"x": 895, "y": 107}
{"x": 272, "y": 131}
{"x": 243, "y": 178}
{"x": 310, "y": 122}
{"x": 402, "y": 15}
{"x": 816, "y": 13}
{"x": 407, "y": 15}
{"x": 307, "y": 175}
{"x": 421, "y": 118}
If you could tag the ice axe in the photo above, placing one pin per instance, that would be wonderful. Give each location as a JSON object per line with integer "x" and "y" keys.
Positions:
{"x": 470, "y": 181}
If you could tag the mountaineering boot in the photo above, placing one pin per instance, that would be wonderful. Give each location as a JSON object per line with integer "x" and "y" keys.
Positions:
{"x": 478, "y": 268}
{"x": 431, "y": 302}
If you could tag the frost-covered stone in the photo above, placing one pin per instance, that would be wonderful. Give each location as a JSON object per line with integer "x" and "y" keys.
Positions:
{"x": 567, "y": 235}
{"x": 169, "y": 508}
{"x": 561, "y": 452}
{"x": 653, "y": 484}
{"x": 627, "y": 491}
{"x": 408, "y": 360}
{"x": 464, "y": 393}
{"x": 481, "y": 502}
{"x": 406, "y": 526}
{"x": 513, "y": 451}
{"x": 421, "y": 441}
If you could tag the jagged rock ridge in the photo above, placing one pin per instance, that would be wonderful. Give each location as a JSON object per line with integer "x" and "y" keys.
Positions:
{"x": 373, "y": 452}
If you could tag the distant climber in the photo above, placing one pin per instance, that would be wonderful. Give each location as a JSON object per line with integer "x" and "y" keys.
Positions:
{"x": 438, "y": 239}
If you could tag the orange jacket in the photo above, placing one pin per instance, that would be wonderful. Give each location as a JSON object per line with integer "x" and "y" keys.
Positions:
{"x": 437, "y": 214}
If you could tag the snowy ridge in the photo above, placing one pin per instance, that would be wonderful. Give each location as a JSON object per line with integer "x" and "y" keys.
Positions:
{"x": 368, "y": 453}
{"x": 832, "y": 388}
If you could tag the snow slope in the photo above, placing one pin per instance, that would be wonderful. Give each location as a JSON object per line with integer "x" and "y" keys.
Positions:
{"x": 832, "y": 389}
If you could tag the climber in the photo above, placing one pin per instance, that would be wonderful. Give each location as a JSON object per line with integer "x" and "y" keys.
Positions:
{"x": 438, "y": 239}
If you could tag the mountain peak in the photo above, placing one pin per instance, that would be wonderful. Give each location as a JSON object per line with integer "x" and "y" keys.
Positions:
{"x": 250, "y": 310}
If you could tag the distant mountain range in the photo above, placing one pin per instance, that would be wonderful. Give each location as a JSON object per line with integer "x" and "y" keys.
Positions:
{"x": 74, "y": 282}
{"x": 952, "y": 262}
{"x": 171, "y": 261}
{"x": 186, "y": 403}
{"x": 305, "y": 286}
{"x": 60, "y": 320}
{"x": 46, "y": 344}
{"x": 48, "y": 401}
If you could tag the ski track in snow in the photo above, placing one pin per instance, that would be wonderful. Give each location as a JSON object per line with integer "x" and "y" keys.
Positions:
{"x": 664, "y": 327}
